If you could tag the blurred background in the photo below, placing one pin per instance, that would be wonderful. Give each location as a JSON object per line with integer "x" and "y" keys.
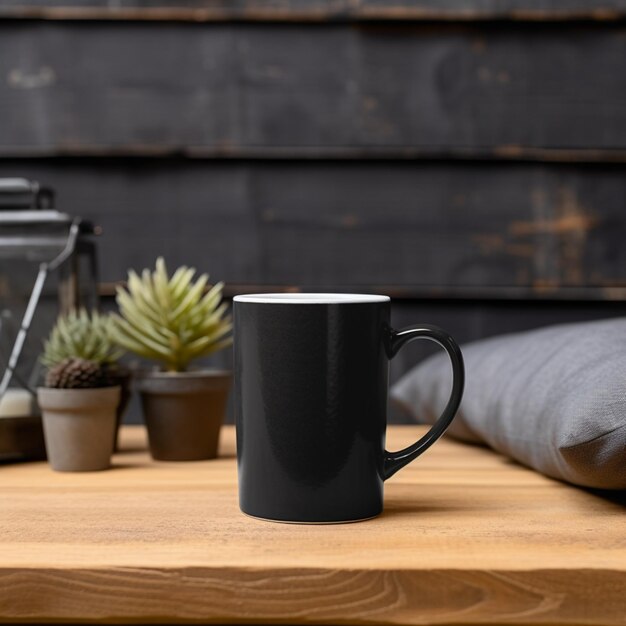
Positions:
{"x": 466, "y": 158}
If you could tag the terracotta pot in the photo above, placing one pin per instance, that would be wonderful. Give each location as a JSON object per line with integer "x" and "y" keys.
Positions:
{"x": 79, "y": 425}
{"x": 184, "y": 413}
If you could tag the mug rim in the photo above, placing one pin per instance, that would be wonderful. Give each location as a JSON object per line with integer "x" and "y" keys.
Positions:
{"x": 310, "y": 298}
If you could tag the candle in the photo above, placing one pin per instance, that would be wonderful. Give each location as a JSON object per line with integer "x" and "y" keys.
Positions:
{"x": 16, "y": 403}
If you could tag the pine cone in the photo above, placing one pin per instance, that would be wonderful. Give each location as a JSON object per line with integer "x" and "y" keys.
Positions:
{"x": 76, "y": 374}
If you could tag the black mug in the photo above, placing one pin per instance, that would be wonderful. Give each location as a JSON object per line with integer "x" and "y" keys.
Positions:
{"x": 311, "y": 383}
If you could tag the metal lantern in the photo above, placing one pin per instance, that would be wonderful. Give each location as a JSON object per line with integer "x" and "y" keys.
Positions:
{"x": 47, "y": 266}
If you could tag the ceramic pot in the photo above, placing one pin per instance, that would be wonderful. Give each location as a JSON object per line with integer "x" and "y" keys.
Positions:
{"x": 79, "y": 427}
{"x": 184, "y": 412}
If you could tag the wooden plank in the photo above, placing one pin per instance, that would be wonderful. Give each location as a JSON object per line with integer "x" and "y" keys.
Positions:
{"x": 272, "y": 90}
{"x": 466, "y": 538}
{"x": 315, "y": 10}
{"x": 513, "y": 153}
{"x": 425, "y": 227}
{"x": 449, "y": 293}
{"x": 199, "y": 595}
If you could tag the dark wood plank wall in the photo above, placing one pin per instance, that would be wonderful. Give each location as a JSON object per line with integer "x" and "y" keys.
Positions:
{"x": 424, "y": 229}
{"x": 316, "y": 10}
{"x": 354, "y": 91}
{"x": 467, "y": 157}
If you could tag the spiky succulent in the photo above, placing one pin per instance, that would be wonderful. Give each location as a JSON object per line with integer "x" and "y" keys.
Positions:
{"x": 171, "y": 319}
{"x": 81, "y": 335}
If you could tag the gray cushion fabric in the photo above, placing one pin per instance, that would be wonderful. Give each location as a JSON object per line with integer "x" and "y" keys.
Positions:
{"x": 553, "y": 399}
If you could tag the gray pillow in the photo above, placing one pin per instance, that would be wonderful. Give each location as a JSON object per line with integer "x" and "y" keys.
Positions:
{"x": 553, "y": 399}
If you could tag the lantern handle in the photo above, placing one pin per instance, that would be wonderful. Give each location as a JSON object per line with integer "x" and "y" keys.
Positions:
{"x": 35, "y": 295}
{"x": 70, "y": 246}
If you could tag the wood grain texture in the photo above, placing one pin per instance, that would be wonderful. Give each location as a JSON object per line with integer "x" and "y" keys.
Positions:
{"x": 268, "y": 90}
{"x": 316, "y": 10}
{"x": 436, "y": 226}
{"x": 467, "y": 537}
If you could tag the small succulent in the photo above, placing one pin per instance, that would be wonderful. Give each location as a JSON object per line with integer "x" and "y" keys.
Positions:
{"x": 172, "y": 320}
{"x": 80, "y": 353}
{"x": 81, "y": 335}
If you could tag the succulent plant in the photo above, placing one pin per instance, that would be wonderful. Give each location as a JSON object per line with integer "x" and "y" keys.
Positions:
{"x": 81, "y": 335}
{"x": 171, "y": 319}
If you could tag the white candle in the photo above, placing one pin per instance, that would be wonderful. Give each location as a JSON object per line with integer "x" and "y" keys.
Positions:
{"x": 16, "y": 403}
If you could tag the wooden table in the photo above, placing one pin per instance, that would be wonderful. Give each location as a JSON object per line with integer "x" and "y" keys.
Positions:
{"x": 467, "y": 537}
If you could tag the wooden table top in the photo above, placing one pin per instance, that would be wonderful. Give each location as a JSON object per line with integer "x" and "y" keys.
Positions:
{"x": 467, "y": 537}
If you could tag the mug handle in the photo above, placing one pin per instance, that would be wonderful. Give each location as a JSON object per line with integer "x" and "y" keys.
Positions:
{"x": 394, "y": 461}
